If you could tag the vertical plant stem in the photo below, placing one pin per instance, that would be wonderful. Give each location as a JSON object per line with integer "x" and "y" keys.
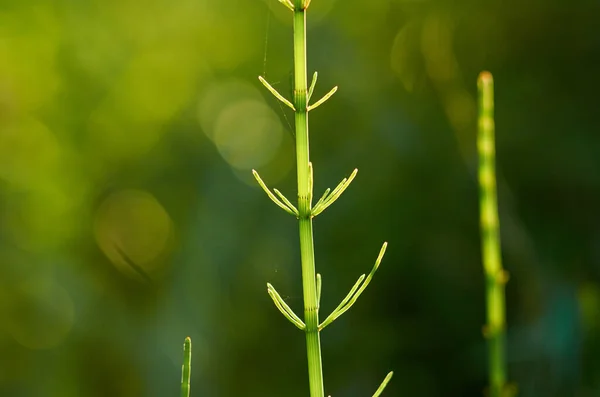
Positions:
{"x": 311, "y": 309}
{"x": 186, "y": 367}
{"x": 495, "y": 276}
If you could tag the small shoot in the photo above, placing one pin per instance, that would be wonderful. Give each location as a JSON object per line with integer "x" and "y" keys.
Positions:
{"x": 285, "y": 201}
{"x": 276, "y": 93}
{"x": 284, "y": 308}
{"x": 320, "y": 202}
{"x": 306, "y": 3}
{"x": 383, "y": 384}
{"x": 326, "y": 200}
{"x": 355, "y": 292}
{"x": 310, "y": 181}
{"x": 313, "y": 83}
{"x": 318, "y": 290}
{"x": 288, "y": 4}
{"x": 186, "y": 367}
{"x": 322, "y": 100}
{"x": 286, "y": 205}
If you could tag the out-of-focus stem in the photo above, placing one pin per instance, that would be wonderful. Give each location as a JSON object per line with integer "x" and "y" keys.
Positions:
{"x": 495, "y": 276}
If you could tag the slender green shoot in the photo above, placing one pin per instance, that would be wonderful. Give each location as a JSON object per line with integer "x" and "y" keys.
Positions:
{"x": 327, "y": 200}
{"x": 355, "y": 292}
{"x": 286, "y": 205}
{"x": 495, "y": 276}
{"x": 305, "y": 212}
{"x": 383, "y": 384}
{"x": 284, "y": 308}
{"x": 288, "y": 4}
{"x": 276, "y": 93}
{"x": 319, "y": 290}
{"x": 313, "y": 83}
{"x": 186, "y": 368}
{"x": 322, "y": 100}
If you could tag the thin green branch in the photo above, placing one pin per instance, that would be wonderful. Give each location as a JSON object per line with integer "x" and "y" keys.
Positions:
{"x": 319, "y": 289}
{"x": 310, "y": 182}
{"x": 289, "y": 209}
{"x": 186, "y": 368}
{"x": 288, "y": 4}
{"x": 286, "y": 202}
{"x": 322, "y": 100}
{"x": 337, "y": 192}
{"x": 343, "y": 303}
{"x": 276, "y": 93}
{"x": 284, "y": 308}
{"x": 313, "y": 83}
{"x": 323, "y": 197}
{"x": 383, "y": 384}
{"x": 355, "y": 292}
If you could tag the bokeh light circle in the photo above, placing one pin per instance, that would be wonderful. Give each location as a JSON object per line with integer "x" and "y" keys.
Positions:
{"x": 40, "y": 314}
{"x": 248, "y": 134}
{"x": 133, "y": 230}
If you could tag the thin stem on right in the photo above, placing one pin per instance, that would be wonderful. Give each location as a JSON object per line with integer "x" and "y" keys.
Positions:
{"x": 495, "y": 276}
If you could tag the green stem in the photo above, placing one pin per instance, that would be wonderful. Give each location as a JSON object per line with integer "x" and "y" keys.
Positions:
{"x": 186, "y": 367}
{"x": 495, "y": 276}
{"x": 311, "y": 307}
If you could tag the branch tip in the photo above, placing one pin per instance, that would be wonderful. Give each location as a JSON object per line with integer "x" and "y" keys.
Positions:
{"x": 322, "y": 100}
{"x": 276, "y": 93}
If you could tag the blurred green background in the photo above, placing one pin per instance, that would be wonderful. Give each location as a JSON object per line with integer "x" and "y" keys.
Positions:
{"x": 129, "y": 217}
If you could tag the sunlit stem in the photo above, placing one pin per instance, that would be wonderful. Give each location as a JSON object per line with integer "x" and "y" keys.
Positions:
{"x": 496, "y": 276}
{"x": 322, "y": 100}
{"x": 326, "y": 201}
{"x": 383, "y": 384}
{"x": 284, "y": 308}
{"x": 276, "y": 93}
{"x": 287, "y": 206}
{"x": 355, "y": 292}
{"x": 186, "y": 368}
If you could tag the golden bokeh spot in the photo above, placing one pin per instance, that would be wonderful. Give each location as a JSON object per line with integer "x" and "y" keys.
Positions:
{"x": 39, "y": 219}
{"x": 218, "y": 96}
{"x": 28, "y": 152}
{"x": 277, "y": 169}
{"x": 26, "y": 34}
{"x": 248, "y": 134}
{"x": 403, "y": 56}
{"x": 40, "y": 314}
{"x": 133, "y": 230}
{"x": 156, "y": 84}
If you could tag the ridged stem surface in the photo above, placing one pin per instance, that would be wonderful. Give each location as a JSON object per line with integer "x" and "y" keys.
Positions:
{"x": 311, "y": 309}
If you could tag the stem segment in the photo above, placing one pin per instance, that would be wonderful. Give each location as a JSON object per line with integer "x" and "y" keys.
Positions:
{"x": 495, "y": 276}
{"x": 186, "y": 367}
{"x": 311, "y": 306}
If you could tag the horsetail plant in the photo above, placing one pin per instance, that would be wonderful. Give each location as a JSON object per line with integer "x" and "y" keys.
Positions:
{"x": 305, "y": 211}
{"x": 186, "y": 367}
{"x": 495, "y": 276}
